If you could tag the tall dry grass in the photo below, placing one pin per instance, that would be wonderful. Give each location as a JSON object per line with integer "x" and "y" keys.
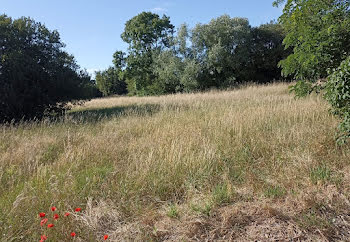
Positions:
{"x": 133, "y": 162}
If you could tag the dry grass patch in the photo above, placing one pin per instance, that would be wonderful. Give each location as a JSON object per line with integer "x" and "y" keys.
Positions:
{"x": 149, "y": 168}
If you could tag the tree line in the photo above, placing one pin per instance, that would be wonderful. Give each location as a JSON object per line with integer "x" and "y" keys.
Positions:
{"x": 223, "y": 53}
{"x": 37, "y": 77}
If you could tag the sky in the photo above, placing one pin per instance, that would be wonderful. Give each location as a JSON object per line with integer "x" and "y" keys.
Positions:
{"x": 91, "y": 29}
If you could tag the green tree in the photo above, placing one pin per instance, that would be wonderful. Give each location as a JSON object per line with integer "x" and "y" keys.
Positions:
{"x": 147, "y": 31}
{"x": 111, "y": 81}
{"x": 181, "y": 40}
{"x": 168, "y": 68}
{"x": 36, "y": 75}
{"x": 217, "y": 47}
{"x": 338, "y": 95}
{"x": 147, "y": 35}
{"x": 190, "y": 76}
{"x": 175, "y": 68}
{"x": 318, "y": 31}
{"x": 265, "y": 51}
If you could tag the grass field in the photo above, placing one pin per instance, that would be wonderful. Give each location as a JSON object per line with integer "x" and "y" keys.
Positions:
{"x": 248, "y": 164}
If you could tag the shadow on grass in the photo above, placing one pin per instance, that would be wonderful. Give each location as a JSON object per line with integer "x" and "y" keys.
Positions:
{"x": 95, "y": 115}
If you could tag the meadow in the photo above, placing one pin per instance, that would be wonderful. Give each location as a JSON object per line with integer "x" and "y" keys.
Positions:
{"x": 247, "y": 164}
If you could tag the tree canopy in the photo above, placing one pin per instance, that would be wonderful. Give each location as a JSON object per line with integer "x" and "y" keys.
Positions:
{"x": 222, "y": 53}
{"x": 36, "y": 75}
{"x": 318, "y": 31}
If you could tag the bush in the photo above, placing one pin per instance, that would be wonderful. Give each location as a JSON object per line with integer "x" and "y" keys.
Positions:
{"x": 111, "y": 82}
{"x": 338, "y": 95}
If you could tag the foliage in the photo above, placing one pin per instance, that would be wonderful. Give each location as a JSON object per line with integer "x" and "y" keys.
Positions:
{"x": 338, "y": 95}
{"x": 147, "y": 35}
{"x": 217, "y": 46}
{"x": 265, "y": 51}
{"x": 190, "y": 75}
{"x": 181, "y": 40}
{"x": 319, "y": 33}
{"x": 110, "y": 82}
{"x": 301, "y": 88}
{"x": 147, "y": 31}
{"x": 220, "y": 54}
{"x": 168, "y": 68}
{"x": 36, "y": 75}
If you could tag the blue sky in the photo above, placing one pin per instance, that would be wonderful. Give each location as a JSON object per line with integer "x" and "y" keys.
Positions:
{"x": 91, "y": 28}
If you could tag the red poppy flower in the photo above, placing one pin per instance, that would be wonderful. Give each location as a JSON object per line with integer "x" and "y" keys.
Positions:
{"x": 66, "y": 214}
{"x": 44, "y": 221}
{"x": 105, "y": 237}
{"x": 41, "y": 215}
{"x": 53, "y": 209}
{"x": 78, "y": 209}
{"x": 56, "y": 216}
{"x": 43, "y": 237}
{"x": 72, "y": 234}
{"x": 50, "y": 225}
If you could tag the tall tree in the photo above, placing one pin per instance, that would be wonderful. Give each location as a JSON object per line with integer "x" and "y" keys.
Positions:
{"x": 36, "y": 75}
{"x": 147, "y": 35}
{"x": 215, "y": 46}
{"x": 265, "y": 51}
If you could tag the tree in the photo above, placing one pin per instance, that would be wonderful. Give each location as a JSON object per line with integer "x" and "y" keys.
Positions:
{"x": 265, "y": 51}
{"x": 338, "y": 95}
{"x": 223, "y": 53}
{"x": 111, "y": 81}
{"x": 36, "y": 75}
{"x": 168, "y": 68}
{"x": 318, "y": 31}
{"x": 147, "y": 35}
{"x": 181, "y": 40}
{"x": 147, "y": 31}
{"x": 215, "y": 47}
{"x": 190, "y": 75}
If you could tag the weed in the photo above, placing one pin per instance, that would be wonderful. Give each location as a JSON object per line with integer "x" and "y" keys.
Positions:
{"x": 173, "y": 211}
{"x": 275, "y": 192}
{"x": 320, "y": 174}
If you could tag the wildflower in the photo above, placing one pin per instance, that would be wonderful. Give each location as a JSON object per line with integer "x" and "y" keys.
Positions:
{"x": 44, "y": 221}
{"x": 53, "y": 209}
{"x": 43, "y": 237}
{"x": 72, "y": 234}
{"x": 105, "y": 237}
{"x": 50, "y": 225}
{"x": 55, "y": 216}
{"x": 66, "y": 214}
{"x": 41, "y": 215}
{"x": 78, "y": 209}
